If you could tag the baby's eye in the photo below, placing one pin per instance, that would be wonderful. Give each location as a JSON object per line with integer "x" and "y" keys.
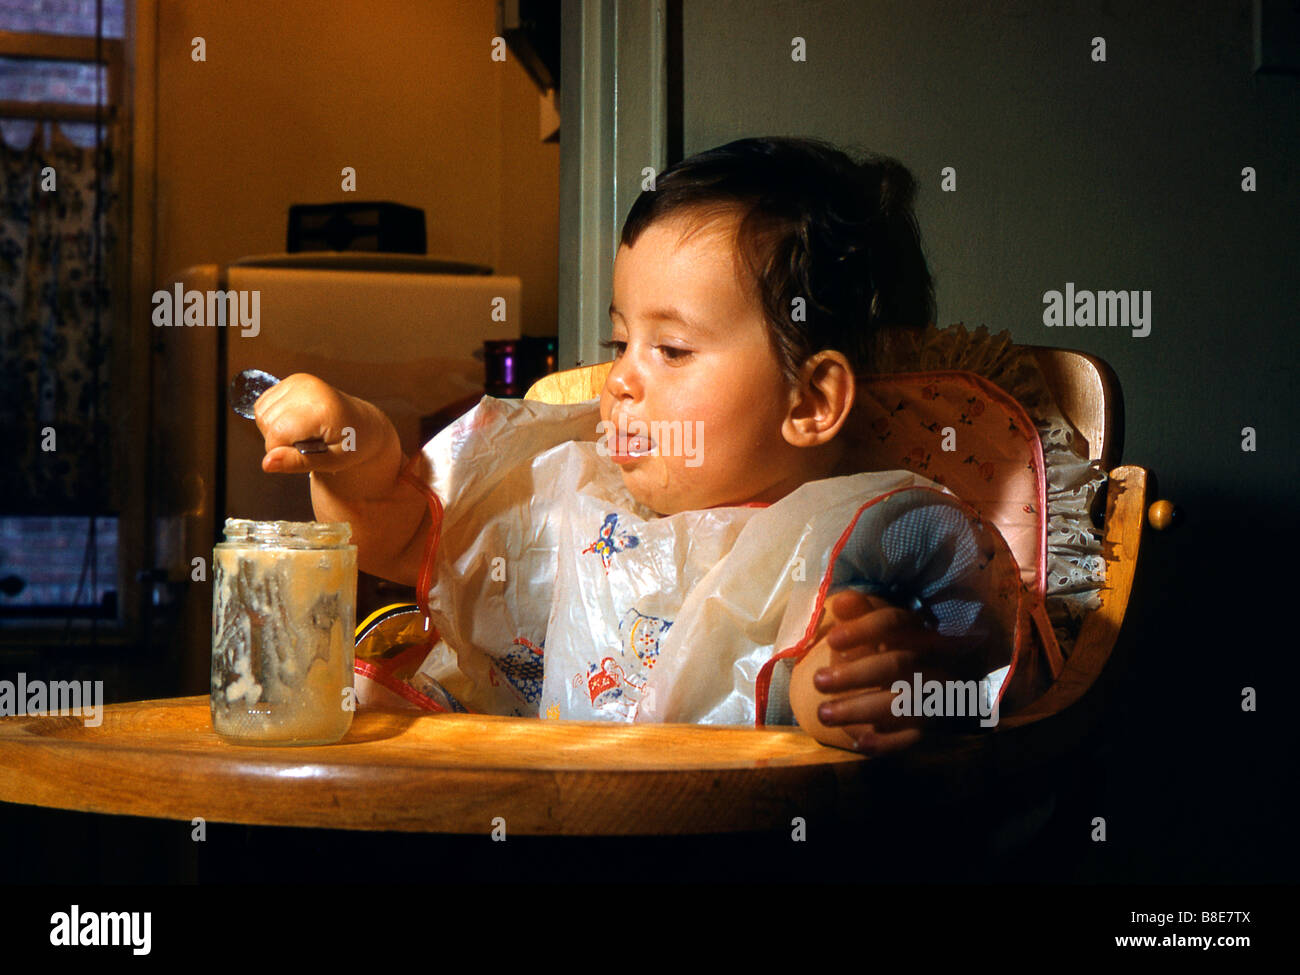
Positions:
{"x": 670, "y": 352}
{"x": 615, "y": 345}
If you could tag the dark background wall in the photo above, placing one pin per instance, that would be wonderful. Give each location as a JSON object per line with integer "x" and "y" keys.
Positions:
{"x": 1117, "y": 175}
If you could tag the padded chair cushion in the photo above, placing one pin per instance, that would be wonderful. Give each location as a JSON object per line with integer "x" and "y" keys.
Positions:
{"x": 964, "y": 433}
{"x": 1076, "y": 569}
{"x": 961, "y": 431}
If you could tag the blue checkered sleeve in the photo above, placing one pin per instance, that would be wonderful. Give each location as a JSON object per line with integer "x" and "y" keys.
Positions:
{"x": 920, "y": 550}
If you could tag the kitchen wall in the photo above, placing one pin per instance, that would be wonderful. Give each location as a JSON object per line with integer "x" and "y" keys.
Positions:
{"x": 406, "y": 93}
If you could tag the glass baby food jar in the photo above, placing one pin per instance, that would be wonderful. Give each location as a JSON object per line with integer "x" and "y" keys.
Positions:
{"x": 283, "y": 615}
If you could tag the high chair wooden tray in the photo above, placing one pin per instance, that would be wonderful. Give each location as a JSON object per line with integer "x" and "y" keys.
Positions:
{"x": 456, "y": 773}
{"x": 453, "y": 773}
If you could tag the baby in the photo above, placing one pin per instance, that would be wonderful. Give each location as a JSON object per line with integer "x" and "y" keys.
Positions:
{"x": 673, "y": 561}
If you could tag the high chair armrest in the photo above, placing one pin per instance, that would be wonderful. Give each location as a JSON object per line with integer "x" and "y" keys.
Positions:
{"x": 1122, "y": 537}
{"x": 1028, "y": 744}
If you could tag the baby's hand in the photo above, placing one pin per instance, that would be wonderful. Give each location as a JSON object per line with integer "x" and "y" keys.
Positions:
{"x": 864, "y": 645}
{"x": 302, "y": 407}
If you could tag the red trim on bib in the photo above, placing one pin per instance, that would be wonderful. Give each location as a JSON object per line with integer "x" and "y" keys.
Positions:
{"x": 762, "y": 684}
{"x": 425, "y": 581}
{"x": 399, "y": 687}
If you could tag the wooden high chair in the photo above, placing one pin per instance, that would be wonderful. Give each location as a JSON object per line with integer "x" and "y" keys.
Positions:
{"x": 1027, "y": 742}
{"x": 460, "y": 773}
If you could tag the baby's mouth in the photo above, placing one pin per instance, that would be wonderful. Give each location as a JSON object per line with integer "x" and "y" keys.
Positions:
{"x": 625, "y": 446}
{"x": 633, "y": 446}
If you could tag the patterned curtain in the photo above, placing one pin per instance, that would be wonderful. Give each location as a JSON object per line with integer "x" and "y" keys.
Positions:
{"x": 55, "y": 328}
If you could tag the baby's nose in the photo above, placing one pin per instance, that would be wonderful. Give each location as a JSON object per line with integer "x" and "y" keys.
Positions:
{"x": 623, "y": 381}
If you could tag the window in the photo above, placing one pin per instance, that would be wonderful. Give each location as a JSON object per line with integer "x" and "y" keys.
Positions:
{"x": 62, "y": 288}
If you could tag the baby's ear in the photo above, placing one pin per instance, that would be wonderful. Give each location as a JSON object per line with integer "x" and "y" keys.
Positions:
{"x": 821, "y": 401}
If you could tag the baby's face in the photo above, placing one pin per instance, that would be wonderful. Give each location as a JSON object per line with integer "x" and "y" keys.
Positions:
{"x": 695, "y": 382}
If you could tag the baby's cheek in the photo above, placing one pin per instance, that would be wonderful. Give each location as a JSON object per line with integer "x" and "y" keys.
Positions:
{"x": 692, "y": 452}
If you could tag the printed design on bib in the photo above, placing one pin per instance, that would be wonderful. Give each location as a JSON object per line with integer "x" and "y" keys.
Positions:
{"x": 606, "y": 683}
{"x": 522, "y": 666}
{"x": 642, "y": 634}
{"x": 611, "y": 541}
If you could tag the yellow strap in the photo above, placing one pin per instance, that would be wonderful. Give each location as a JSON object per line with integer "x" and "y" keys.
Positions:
{"x": 380, "y": 612}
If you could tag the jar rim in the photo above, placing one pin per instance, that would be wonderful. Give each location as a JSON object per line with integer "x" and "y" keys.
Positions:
{"x": 287, "y": 534}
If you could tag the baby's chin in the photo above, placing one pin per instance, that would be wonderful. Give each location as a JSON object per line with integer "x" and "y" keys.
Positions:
{"x": 644, "y": 483}
{"x": 668, "y": 499}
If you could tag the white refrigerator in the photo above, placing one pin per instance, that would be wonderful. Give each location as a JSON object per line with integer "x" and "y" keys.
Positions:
{"x": 404, "y": 332}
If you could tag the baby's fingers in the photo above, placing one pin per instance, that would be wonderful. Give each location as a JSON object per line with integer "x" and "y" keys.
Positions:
{"x": 873, "y": 670}
{"x": 871, "y": 707}
{"x": 308, "y": 456}
{"x": 293, "y": 392}
{"x": 269, "y": 398}
{"x": 885, "y": 625}
{"x": 849, "y": 604}
{"x": 873, "y": 741}
{"x": 291, "y": 422}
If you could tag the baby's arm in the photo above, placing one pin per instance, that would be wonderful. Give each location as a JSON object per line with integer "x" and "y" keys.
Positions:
{"x": 929, "y": 568}
{"x": 360, "y": 485}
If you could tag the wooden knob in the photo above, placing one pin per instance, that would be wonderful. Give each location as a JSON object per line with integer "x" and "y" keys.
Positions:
{"x": 1163, "y": 515}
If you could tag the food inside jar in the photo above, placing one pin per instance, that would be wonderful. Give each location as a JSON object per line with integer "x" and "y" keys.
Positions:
{"x": 282, "y": 637}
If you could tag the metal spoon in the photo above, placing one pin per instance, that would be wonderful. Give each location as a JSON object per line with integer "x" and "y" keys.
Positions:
{"x": 246, "y": 387}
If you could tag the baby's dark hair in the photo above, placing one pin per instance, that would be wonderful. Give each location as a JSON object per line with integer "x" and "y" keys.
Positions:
{"x": 814, "y": 224}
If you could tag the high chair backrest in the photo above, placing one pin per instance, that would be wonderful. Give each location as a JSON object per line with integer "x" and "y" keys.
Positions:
{"x": 571, "y": 385}
{"x": 962, "y": 432}
{"x": 1087, "y": 392}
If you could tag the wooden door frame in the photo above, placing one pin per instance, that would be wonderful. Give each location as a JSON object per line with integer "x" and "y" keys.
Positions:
{"x": 614, "y": 123}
